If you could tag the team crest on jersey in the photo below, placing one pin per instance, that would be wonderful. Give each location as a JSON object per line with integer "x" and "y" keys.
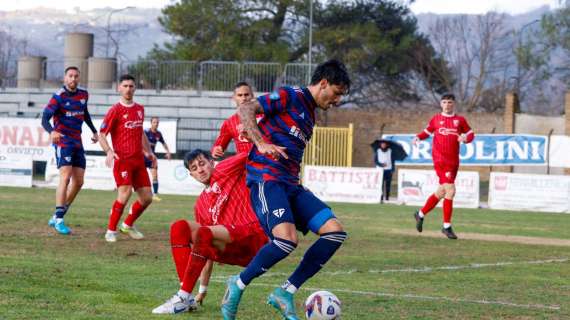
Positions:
{"x": 455, "y": 123}
{"x": 82, "y": 101}
{"x": 125, "y": 116}
{"x": 441, "y": 122}
{"x": 274, "y": 95}
{"x": 139, "y": 113}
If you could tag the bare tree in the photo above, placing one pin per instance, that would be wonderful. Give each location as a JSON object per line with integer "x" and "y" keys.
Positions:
{"x": 478, "y": 50}
{"x": 10, "y": 49}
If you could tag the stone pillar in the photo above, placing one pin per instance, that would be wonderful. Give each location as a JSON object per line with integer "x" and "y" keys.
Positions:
{"x": 511, "y": 108}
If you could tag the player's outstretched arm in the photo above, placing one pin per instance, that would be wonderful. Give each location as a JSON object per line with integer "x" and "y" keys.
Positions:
{"x": 111, "y": 155}
{"x": 247, "y": 112}
{"x": 204, "y": 281}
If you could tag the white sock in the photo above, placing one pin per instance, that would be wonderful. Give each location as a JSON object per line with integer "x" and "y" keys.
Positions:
{"x": 183, "y": 294}
{"x": 446, "y": 225}
{"x": 421, "y": 214}
{"x": 289, "y": 287}
{"x": 240, "y": 284}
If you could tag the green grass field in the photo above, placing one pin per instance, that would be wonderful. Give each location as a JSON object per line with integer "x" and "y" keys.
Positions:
{"x": 385, "y": 270}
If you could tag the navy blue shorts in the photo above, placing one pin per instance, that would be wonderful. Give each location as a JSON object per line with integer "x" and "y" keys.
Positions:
{"x": 147, "y": 162}
{"x": 277, "y": 202}
{"x": 70, "y": 156}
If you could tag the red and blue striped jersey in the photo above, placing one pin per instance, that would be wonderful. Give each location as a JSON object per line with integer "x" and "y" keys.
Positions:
{"x": 153, "y": 138}
{"x": 288, "y": 121}
{"x": 68, "y": 111}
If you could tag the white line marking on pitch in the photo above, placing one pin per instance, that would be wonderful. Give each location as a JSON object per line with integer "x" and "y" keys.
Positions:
{"x": 419, "y": 297}
{"x": 427, "y": 269}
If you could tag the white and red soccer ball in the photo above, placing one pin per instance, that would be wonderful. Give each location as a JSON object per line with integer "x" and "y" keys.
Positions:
{"x": 322, "y": 305}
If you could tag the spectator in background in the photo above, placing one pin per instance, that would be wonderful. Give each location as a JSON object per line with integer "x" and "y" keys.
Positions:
{"x": 383, "y": 160}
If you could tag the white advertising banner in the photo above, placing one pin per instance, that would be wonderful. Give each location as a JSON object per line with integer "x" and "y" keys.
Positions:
{"x": 15, "y": 170}
{"x": 25, "y": 137}
{"x": 559, "y": 151}
{"x": 97, "y": 175}
{"x": 533, "y": 192}
{"x": 342, "y": 184}
{"x": 415, "y": 186}
{"x": 172, "y": 176}
{"x": 166, "y": 127}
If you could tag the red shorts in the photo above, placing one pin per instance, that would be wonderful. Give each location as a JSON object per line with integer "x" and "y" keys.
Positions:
{"x": 446, "y": 172}
{"x": 246, "y": 241}
{"x": 131, "y": 172}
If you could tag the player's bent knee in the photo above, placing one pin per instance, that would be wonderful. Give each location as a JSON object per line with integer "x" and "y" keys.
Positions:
{"x": 324, "y": 221}
{"x": 180, "y": 233}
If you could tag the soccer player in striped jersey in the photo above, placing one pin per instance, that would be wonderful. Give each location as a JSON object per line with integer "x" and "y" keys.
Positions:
{"x": 124, "y": 122}
{"x": 448, "y": 130}
{"x": 232, "y": 129}
{"x": 68, "y": 108}
{"x": 154, "y": 136}
{"x": 226, "y": 228}
{"x": 282, "y": 205}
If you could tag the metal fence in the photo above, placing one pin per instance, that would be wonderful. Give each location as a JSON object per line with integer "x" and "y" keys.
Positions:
{"x": 188, "y": 75}
{"x": 214, "y": 75}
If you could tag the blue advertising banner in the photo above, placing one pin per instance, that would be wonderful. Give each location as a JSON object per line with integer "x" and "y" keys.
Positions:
{"x": 485, "y": 150}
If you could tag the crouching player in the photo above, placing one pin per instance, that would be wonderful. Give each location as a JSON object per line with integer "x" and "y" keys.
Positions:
{"x": 226, "y": 228}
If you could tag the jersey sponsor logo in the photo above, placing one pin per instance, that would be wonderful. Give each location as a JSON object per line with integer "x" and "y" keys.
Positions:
{"x": 216, "y": 208}
{"x": 279, "y": 212}
{"x": 447, "y": 131}
{"x": 74, "y": 113}
{"x": 133, "y": 124}
{"x": 297, "y": 133}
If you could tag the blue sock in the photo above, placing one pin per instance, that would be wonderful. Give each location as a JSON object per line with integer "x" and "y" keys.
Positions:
{"x": 316, "y": 256}
{"x": 59, "y": 212}
{"x": 155, "y": 187}
{"x": 266, "y": 257}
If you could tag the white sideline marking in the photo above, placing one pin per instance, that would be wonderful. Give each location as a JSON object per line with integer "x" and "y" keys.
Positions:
{"x": 419, "y": 297}
{"x": 425, "y": 269}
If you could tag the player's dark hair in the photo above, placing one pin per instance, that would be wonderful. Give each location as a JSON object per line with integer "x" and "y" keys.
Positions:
{"x": 71, "y": 68}
{"x": 152, "y": 118}
{"x": 190, "y": 156}
{"x": 242, "y": 84}
{"x": 448, "y": 96}
{"x": 334, "y": 72}
{"x": 126, "y": 77}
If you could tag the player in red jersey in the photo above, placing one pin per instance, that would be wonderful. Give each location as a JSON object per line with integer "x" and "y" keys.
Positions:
{"x": 232, "y": 127}
{"x": 226, "y": 228}
{"x": 124, "y": 122}
{"x": 449, "y": 130}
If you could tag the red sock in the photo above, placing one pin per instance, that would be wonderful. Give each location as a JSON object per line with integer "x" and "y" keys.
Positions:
{"x": 135, "y": 212}
{"x": 447, "y": 210}
{"x": 116, "y": 213}
{"x": 180, "y": 239}
{"x": 431, "y": 202}
{"x": 201, "y": 252}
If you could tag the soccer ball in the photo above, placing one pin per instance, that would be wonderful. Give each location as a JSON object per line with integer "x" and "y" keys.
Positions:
{"x": 322, "y": 305}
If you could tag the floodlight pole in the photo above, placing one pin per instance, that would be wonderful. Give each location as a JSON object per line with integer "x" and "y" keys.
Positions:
{"x": 310, "y": 55}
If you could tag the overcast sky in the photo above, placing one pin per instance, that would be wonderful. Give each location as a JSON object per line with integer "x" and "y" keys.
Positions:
{"x": 420, "y": 6}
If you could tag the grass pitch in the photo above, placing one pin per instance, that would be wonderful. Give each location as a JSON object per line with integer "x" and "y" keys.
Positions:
{"x": 385, "y": 270}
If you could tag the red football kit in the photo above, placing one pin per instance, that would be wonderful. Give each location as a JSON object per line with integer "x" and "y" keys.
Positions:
{"x": 226, "y": 202}
{"x": 232, "y": 129}
{"x": 446, "y": 130}
{"x": 125, "y": 125}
